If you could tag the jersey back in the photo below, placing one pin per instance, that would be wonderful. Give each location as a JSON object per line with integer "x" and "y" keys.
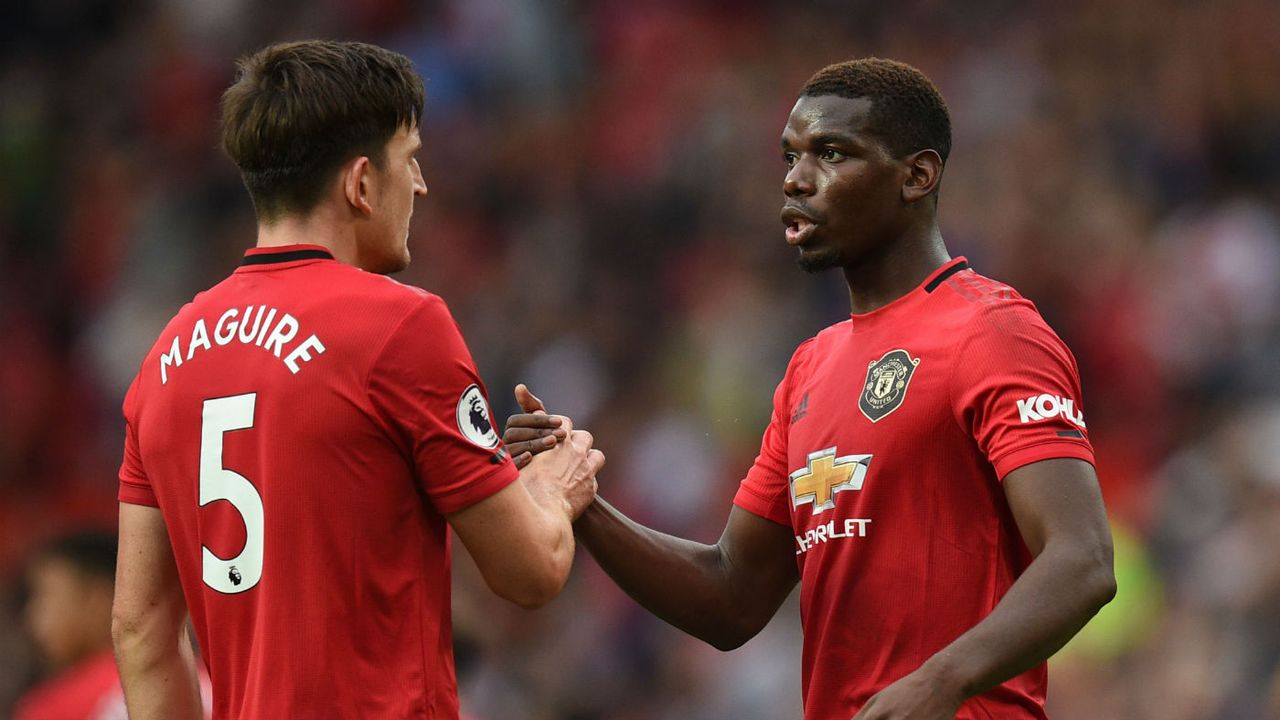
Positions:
{"x": 304, "y": 427}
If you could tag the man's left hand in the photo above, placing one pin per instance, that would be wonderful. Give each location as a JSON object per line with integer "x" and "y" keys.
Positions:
{"x": 918, "y": 696}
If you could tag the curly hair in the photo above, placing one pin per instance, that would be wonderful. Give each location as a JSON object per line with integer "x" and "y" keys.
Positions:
{"x": 907, "y": 111}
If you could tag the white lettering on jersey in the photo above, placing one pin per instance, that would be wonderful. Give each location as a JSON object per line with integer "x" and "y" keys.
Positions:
{"x": 173, "y": 357}
{"x": 850, "y": 528}
{"x": 1043, "y": 407}
{"x": 253, "y": 327}
{"x": 303, "y": 352}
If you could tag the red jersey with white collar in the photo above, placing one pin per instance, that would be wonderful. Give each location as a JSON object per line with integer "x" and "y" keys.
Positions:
{"x": 890, "y": 436}
{"x": 304, "y": 427}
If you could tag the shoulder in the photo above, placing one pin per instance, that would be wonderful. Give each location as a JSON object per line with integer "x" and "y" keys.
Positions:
{"x": 981, "y": 308}
{"x": 808, "y": 354}
{"x": 810, "y": 350}
{"x": 377, "y": 304}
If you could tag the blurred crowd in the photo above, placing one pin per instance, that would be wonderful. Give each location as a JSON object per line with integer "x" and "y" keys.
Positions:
{"x": 603, "y": 221}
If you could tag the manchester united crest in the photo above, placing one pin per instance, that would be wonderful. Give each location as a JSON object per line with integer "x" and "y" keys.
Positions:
{"x": 886, "y": 385}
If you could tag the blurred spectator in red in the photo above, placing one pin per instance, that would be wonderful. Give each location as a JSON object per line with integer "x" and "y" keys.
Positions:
{"x": 68, "y": 614}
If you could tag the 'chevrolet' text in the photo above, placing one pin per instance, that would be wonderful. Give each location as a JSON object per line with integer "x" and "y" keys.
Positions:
{"x": 831, "y": 530}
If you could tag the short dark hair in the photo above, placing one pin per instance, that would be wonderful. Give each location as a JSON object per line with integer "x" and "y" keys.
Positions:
{"x": 907, "y": 111}
{"x": 91, "y": 552}
{"x": 299, "y": 110}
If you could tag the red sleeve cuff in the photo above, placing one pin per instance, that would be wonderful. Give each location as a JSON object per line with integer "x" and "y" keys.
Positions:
{"x": 473, "y": 492}
{"x": 1009, "y": 462}
{"x": 135, "y": 493}
{"x": 751, "y": 501}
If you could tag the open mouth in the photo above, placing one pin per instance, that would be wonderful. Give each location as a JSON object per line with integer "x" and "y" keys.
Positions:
{"x": 798, "y": 230}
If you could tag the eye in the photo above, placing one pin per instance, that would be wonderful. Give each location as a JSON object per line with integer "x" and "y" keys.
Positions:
{"x": 831, "y": 155}
{"x": 789, "y": 158}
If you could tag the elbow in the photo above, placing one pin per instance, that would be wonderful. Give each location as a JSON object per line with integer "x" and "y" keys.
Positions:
{"x": 724, "y": 642}
{"x": 124, "y": 630}
{"x": 538, "y": 584}
{"x": 733, "y": 633}
{"x": 533, "y": 593}
{"x": 1104, "y": 586}
{"x": 1099, "y": 577}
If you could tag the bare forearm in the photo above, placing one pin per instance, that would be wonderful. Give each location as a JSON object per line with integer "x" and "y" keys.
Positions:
{"x": 1059, "y": 592}
{"x": 684, "y": 583}
{"x": 159, "y": 679}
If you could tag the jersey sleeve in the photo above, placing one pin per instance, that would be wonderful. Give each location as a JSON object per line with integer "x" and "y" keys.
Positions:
{"x": 1016, "y": 391}
{"x": 425, "y": 385}
{"x": 765, "y": 489}
{"x": 135, "y": 486}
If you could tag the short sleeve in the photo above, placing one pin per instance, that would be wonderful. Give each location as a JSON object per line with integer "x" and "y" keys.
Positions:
{"x": 135, "y": 486}
{"x": 765, "y": 489}
{"x": 425, "y": 386}
{"x": 1016, "y": 390}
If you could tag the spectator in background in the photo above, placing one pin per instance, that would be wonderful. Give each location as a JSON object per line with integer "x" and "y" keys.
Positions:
{"x": 69, "y": 617}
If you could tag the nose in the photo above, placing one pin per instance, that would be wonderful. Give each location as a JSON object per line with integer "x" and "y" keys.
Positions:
{"x": 799, "y": 180}
{"x": 419, "y": 185}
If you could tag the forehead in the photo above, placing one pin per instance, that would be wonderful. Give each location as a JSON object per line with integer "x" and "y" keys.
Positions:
{"x": 827, "y": 114}
{"x": 406, "y": 136}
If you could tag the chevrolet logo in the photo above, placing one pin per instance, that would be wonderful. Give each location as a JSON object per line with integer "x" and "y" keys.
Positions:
{"x": 824, "y": 475}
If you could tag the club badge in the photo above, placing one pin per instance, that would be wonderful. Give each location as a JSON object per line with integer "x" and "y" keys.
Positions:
{"x": 886, "y": 384}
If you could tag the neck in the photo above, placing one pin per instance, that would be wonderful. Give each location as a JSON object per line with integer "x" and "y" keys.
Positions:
{"x": 312, "y": 229}
{"x": 895, "y": 270}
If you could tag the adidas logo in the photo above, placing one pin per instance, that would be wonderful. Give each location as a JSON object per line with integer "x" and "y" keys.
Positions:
{"x": 801, "y": 410}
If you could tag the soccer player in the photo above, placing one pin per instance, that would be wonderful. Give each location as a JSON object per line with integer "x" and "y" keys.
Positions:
{"x": 303, "y": 434}
{"x": 926, "y": 476}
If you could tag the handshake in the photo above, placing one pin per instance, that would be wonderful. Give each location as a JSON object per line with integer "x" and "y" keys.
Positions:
{"x": 565, "y": 465}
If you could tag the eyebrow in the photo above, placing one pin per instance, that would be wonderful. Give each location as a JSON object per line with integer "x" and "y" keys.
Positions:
{"x": 834, "y": 138}
{"x": 825, "y": 138}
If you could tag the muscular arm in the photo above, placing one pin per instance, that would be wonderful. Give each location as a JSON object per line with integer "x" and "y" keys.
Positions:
{"x": 722, "y": 594}
{"x": 1059, "y": 511}
{"x": 522, "y": 537}
{"x": 148, "y": 622}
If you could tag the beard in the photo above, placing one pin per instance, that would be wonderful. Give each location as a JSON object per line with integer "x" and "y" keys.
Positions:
{"x": 818, "y": 260}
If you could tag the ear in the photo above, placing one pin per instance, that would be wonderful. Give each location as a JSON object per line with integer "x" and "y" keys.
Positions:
{"x": 357, "y": 185}
{"x": 924, "y": 172}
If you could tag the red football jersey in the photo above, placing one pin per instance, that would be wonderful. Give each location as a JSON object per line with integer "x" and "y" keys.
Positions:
{"x": 890, "y": 435}
{"x": 303, "y": 426}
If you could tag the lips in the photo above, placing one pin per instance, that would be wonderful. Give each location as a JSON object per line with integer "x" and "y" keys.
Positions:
{"x": 800, "y": 223}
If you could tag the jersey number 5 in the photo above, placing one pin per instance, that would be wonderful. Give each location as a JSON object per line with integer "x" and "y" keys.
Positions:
{"x": 242, "y": 572}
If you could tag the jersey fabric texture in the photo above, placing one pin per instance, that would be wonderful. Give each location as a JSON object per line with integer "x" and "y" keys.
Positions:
{"x": 304, "y": 427}
{"x": 890, "y": 436}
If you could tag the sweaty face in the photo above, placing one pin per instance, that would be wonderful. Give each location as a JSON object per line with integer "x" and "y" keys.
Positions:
{"x": 394, "y": 187}
{"x": 843, "y": 187}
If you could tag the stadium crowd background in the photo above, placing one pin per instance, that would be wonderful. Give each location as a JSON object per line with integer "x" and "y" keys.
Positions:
{"x": 605, "y": 184}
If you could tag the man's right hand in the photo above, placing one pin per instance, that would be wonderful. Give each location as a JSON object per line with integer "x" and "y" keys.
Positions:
{"x": 566, "y": 472}
{"x": 534, "y": 431}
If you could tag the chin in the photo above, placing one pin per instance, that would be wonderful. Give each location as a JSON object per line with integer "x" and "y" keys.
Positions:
{"x": 818, "y": 260}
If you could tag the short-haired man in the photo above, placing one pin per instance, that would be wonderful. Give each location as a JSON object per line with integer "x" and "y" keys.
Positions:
{"x": 926, "y": 477}
{"x": 303, "y": 433}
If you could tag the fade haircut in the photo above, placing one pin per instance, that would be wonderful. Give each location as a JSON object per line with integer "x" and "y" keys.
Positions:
{"x": 297, "y": 111}
{"x": 907, "y": 111}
